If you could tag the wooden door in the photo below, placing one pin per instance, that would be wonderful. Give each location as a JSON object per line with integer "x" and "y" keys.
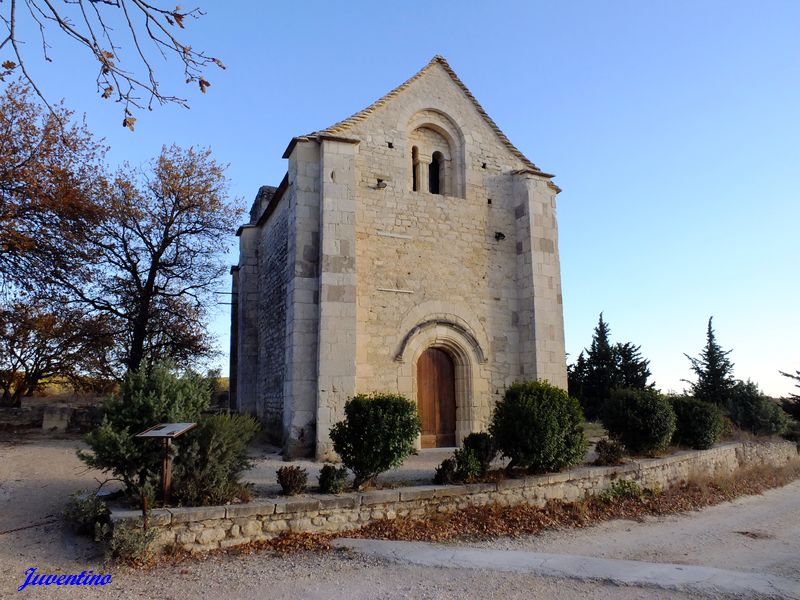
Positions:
{"x": 436, "y": 398}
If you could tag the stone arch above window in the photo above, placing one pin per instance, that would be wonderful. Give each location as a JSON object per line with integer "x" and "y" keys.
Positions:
{"x": 437, "y": 163}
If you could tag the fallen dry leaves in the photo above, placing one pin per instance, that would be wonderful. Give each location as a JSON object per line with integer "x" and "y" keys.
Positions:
{"x": 513, "y": 521}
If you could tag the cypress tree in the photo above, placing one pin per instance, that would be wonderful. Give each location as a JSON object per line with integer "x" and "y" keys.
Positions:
{"x": 632, "y": 370}
{"x": 600, "y": 371}
{"x": 576, "y": 377}
{"x": 714, "y": 371}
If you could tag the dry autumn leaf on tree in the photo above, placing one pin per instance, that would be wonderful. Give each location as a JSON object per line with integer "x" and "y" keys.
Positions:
{"x": 123, "y": 37}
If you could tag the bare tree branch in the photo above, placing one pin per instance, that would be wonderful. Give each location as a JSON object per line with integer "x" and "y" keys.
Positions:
{"x": 116, "y": 34}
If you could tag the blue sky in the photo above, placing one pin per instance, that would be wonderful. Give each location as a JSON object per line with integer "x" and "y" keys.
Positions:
{"x": 673, "y": 128}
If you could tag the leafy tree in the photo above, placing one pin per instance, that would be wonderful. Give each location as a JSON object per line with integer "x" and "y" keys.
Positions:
{"x": 158, "y": 255}
{"x": 38, "y": 343}
{"x": 631, "y": 369}
{"x": 121, "y": 36}
{"x": 714, "y": 371}
{"x": 791, "y": 404}
{"x": 600, "y": 371}
{"x": 51, "y": 174}
{"x": 750, "y": 409}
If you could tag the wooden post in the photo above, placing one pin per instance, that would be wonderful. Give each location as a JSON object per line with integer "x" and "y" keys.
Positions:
{"x": 166, "y": 472}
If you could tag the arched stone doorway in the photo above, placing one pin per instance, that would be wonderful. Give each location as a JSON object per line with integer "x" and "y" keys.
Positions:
{"x": 436, "y": 398}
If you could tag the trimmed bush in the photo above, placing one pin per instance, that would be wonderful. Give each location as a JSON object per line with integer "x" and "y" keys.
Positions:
{"x": 211, "y": 461}
{"x": 609, "y": 452}
{"x": 332, "y": 479}
{"x": 752, "y": 411}
{"x": 293, "y": 480}
{"x": 698, "y": 424}
{"x": 642, "y": 420}
{"x": 445, "y": 472}
{"x": 538, "y": 426}
{"x": 483, "y": 447}
{"x": 377, "y": 433}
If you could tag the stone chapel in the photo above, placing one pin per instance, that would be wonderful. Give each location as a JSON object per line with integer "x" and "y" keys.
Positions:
{"x": 410, "y": 248}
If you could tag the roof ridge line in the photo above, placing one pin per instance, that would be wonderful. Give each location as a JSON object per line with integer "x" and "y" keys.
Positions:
{"x": 364, "y": 113}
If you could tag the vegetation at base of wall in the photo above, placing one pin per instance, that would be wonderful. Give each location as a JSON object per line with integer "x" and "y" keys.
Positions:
{"x": 752, "y": 411}
{"x": 698, "y": 424}
{"x": 212, "y": 459}
{"x": 485, "y": 522}
{"x": 468, "y": 465}
{"x": 446, "y": 472}
{"x": 609, "y": 452}
{"x": 332, "y": 479}
{"x": 293, "y": 480}
{"x": 128, "y": 542}
{"x": 208, "y": 460}
{"x": 377, "y": 434}
{"x": 84, "y": 511}
{"x": 623, "y": 489}
{"x": 641, "y": 420}
{"x": 539, "y": 427}
{"x": 483, "y": 447}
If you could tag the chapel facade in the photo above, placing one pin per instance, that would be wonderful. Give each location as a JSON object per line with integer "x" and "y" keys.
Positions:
{"x": 410, "y": 248}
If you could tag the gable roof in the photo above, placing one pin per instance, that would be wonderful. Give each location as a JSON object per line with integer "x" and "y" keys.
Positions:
{"x": 342, "y": 126}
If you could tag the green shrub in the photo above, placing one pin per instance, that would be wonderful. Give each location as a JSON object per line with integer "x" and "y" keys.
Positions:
{"x": 84, "y": 510}
{"x": 293, "y": 480}
{"x": 332, "y": 479}
{"x": 642, "y": 420}
{"x": 146, "y": 397}
{"x": 752, "y": 411}
{"x": 483, "y": 446}
{"x": 377, "y": 433}
{"x": 792, "y": 432}
{"x": 538, "y": 426}
{"x": 698, "y": 424}
{"x": 211, "y": 460}
{"x": 130, "y": 543}
{"x": 445, "y": 472}
{"x": 609, "y": 452}
{"x": 468, "y": 467}
{"x": 621, "y": 490}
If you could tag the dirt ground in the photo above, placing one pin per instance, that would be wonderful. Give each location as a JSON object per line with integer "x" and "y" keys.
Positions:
{"x": 37, "y": 473}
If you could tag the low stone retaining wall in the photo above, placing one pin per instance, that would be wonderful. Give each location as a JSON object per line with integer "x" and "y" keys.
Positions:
{"x": 208, "y": 528}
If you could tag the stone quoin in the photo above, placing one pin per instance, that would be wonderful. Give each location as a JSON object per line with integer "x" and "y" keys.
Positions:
{"x": 410, "y": 248}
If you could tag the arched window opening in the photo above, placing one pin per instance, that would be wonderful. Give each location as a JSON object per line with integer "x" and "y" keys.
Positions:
{"x": 436, "y": 173}
{"x": 414, "y": 169}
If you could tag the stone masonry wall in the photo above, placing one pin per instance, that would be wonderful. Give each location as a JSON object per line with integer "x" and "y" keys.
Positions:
{"x": 209, "y": 528}
{"x": 271, "y": 307}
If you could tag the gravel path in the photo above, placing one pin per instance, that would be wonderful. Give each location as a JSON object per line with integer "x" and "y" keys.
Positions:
{"x": 38, "y": 473}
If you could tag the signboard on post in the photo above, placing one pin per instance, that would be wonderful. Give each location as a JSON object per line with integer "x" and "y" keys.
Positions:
{"x": 167, "y": 432}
